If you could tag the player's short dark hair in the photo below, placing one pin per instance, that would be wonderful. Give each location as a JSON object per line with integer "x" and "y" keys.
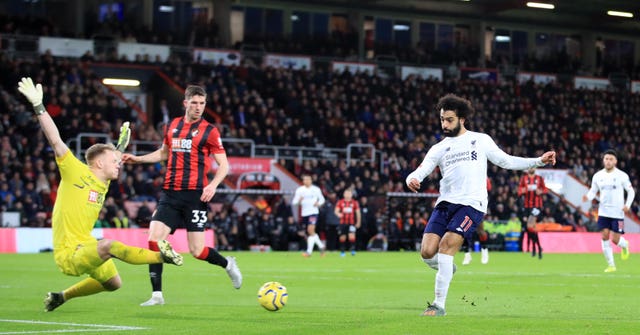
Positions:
{"x": 451, "y": 102}
{"x": 193, "y": 90}
{"x": 97, "y": 150}
{"x": 611, "y": 152}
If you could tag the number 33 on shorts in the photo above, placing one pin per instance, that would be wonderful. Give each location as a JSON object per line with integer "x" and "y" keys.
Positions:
{"x": 199, "y": 217}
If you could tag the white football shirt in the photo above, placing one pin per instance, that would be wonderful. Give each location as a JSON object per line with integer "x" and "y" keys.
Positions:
{"x": 463, "y": 165}
{"x": 307, "y": 198}
{"x": 611, "y": 186}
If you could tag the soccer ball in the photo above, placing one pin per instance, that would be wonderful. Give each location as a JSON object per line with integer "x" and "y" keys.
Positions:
{"x": 272, "y": 296}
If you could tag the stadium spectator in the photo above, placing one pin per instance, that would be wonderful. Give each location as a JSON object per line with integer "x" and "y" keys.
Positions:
{"x": 187, "y": 188}
{"x": 101, "y": 222}
{"x": 120, "y": 220}
{"x": 76, "y": 252}
{"x": 462, "y": 157}
{"x": 221, "y": 225}
{"x": 532, "y": 189}
{"x": 610, "y": 184}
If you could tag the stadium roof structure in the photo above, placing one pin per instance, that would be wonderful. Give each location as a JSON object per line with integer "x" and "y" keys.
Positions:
{"x": 575, "y": 14}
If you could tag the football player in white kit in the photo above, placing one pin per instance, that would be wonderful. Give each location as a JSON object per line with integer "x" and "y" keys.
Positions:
{"x": 611, "y": 183}
{"x": 462, "y": 157}
{"x": 310, "y": 198}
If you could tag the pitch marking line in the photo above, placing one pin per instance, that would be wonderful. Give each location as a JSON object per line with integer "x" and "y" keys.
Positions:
{"x": 87, "y": 327}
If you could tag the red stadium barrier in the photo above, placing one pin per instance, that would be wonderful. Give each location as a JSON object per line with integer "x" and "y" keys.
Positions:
{"x": 561, "y": 242}
{"x": 8, "y": 240}
{"x": 32, "y": 240}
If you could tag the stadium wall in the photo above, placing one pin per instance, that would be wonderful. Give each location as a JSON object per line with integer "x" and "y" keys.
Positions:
{"x": 32, "y": 240}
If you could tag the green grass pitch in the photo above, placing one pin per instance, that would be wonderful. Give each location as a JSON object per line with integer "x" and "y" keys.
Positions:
{"x": 371, "y": 293}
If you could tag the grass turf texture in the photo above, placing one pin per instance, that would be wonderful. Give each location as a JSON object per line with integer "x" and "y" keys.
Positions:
{"x": 371, "y": 293}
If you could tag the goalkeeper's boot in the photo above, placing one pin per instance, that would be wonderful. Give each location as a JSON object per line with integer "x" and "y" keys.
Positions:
{"x": 168, "y": 254}
{"x": 467, "y": 258}
{"x": 52, "y": 301}
{"x": 434, "y": 310}
{"x": 234, "y": 272}
{"x": 624, "y": 252}
{"x": 610, "y": 269}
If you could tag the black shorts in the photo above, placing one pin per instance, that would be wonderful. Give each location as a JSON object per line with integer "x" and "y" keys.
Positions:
{"x": 181, "y": 209}
{"x": 536, "y": 212}
{"x": 344, "y": 229}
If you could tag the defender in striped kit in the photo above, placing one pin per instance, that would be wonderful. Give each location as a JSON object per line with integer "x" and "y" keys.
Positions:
{"x": 189, "y": 141}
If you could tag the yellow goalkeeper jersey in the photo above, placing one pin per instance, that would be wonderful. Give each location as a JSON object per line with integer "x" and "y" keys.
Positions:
{"x": 79, "y": 201}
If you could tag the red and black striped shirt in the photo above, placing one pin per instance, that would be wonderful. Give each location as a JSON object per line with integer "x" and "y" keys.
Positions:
{"x": 348, "y": 210}
{"x": 190, "y": 147}
{"x": 528, "y": 186}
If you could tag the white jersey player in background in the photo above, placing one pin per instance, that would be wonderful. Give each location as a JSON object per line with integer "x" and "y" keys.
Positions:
{"x": 611, "y": 183}
{"x": 462, "y": 157}
{"x": 310, "y": 198}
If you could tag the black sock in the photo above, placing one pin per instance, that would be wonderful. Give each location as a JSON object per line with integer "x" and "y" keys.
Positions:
{"x": 537, "y": 240}
{"x": 532, "y": 241}
{"x": 155, "y": 274}
{"x": 214, "y": 257}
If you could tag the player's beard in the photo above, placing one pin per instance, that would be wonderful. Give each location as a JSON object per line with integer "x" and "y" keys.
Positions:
{"x": 453, "y": 132}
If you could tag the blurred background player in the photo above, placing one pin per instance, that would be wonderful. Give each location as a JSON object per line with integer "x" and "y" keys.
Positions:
{"x": 348, "y": 210}
{"x": 532, "y": 187}
{"x": 81, "y": 195}
{"x": 188, "y": 143}
{"x": 310, "y": 198}
{"x": 610, "y": 183}
{"x": 480, "y": 236}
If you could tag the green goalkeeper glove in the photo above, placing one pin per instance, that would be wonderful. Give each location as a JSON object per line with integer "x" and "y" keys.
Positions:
{"x": 123, "y": 139}
{"x": 33, "y": 93}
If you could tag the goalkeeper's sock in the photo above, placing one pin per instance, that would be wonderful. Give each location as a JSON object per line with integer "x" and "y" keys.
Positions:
{"x": 87, "y": 286}
{"x": 155, "y": 270}
{"x": 134, "y": 255}
{"x": 212, "y": 256}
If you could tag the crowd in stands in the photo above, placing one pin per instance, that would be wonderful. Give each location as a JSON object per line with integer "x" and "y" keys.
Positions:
{"x": 336, "y": 44}
{"x": 316, "y": 108}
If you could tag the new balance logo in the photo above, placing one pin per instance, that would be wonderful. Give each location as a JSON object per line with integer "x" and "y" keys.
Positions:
{"x": 474, "y": 156}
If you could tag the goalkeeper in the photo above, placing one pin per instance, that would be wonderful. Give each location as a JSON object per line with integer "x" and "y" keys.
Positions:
{"x": 80, "y": 197}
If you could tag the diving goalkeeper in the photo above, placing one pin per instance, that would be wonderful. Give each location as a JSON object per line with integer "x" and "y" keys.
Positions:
{"x": 80, "y": 197}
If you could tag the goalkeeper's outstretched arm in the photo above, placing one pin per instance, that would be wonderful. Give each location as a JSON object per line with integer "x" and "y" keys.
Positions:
{"x": 33, "y": 93}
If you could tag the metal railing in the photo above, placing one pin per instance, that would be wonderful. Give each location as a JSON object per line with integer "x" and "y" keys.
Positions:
{"x": 245, "y": 148}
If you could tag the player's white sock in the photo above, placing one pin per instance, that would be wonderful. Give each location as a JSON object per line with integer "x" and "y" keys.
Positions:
{"x": 443, "y": 278}
{"x": 156, "y": 294}
{"x": 310, "y": 241}
{"x": 319, "y": 242}
{"x": 484, "y": 258}
{"x": 608, "y": 252}
{"x": 467, "y": 258}
{"x": 622, "y": 243}
{"x": 432, "y": 262}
